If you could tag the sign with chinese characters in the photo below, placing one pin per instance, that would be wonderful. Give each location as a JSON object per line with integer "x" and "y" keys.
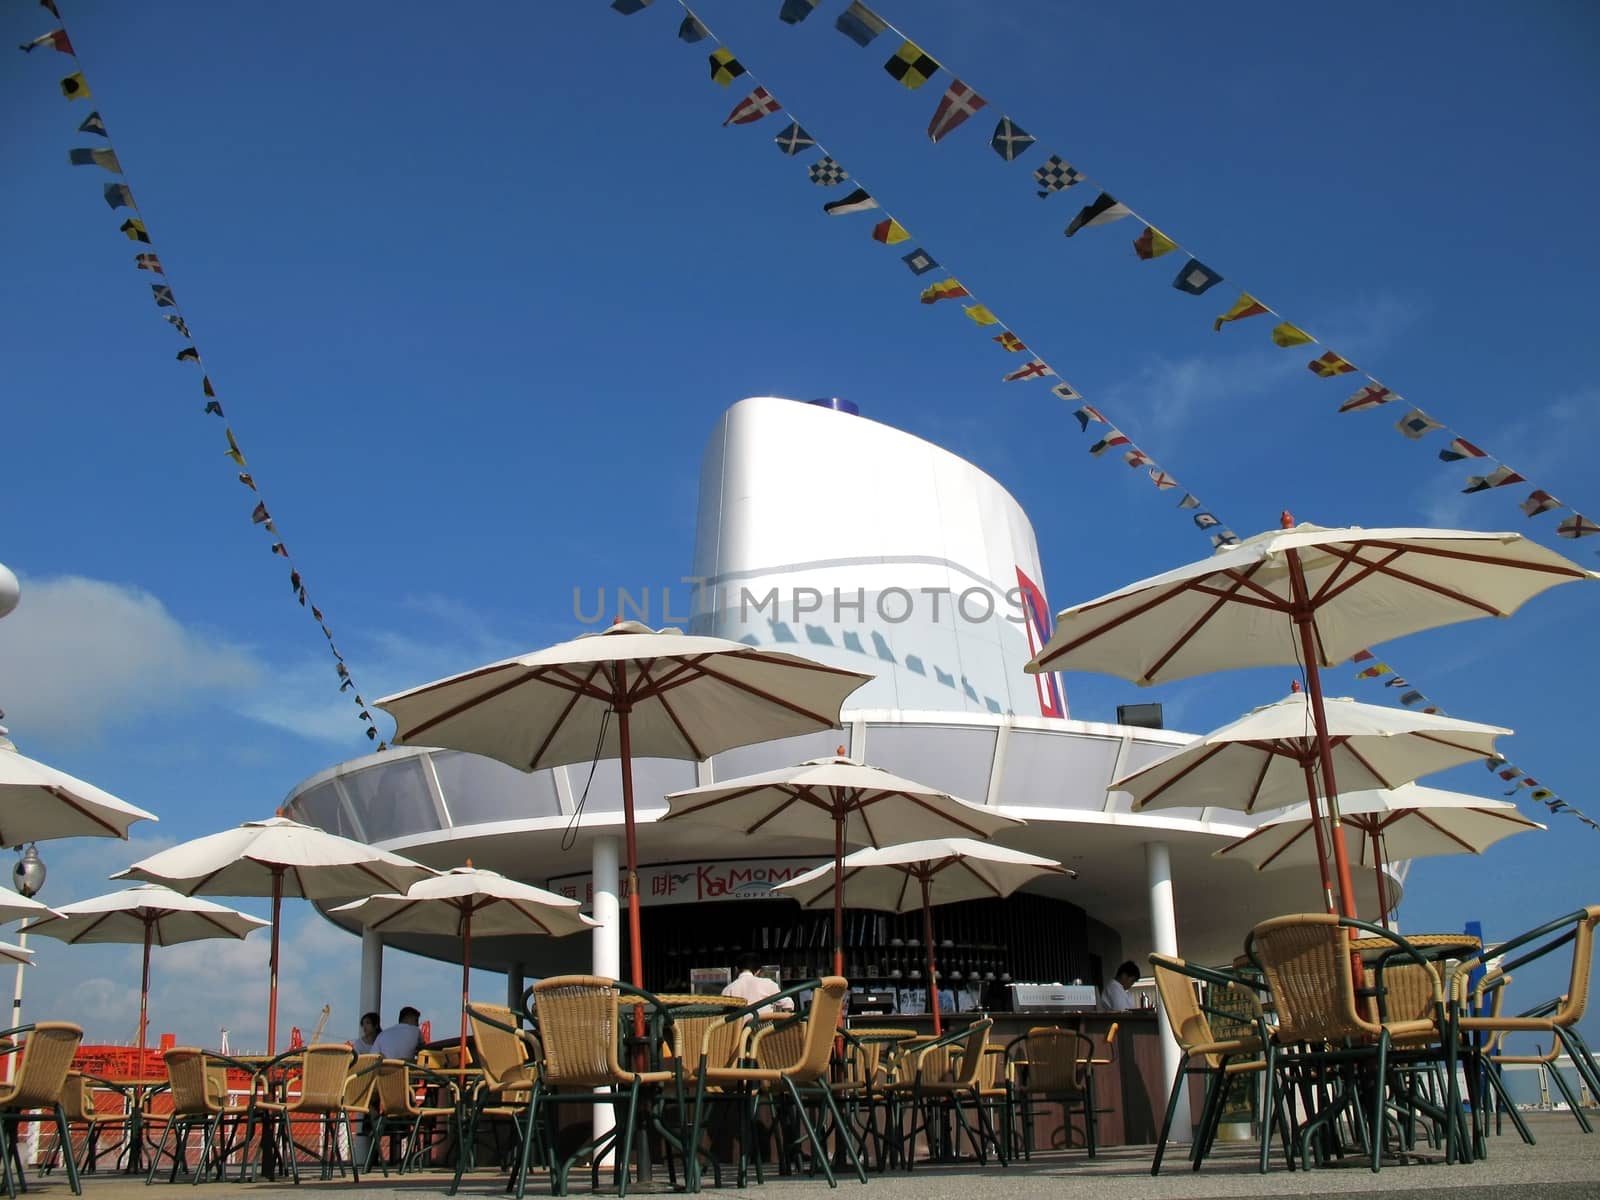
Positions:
{"x": 695, "y": 882}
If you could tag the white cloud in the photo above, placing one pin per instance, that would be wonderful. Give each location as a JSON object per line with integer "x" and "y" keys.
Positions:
{"x": 80, "y": 654}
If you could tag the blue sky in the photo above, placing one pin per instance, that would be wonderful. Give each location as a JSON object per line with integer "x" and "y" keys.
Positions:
{"x": 474, "y": 289}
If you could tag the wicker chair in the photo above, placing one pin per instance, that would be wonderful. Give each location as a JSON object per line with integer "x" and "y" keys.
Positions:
{"x": 1241, "y": 1049}
{"x": 78, "y": 1103}
{"x": 942, "y": 1078}
{"x": 803, "y": 1078}
{"x": 1556, "y": 1019}
{"x": 396, "y": 1083}
{"x": 38, "y": 1078}
{"x": 1052, "y": 1065}
{"x": 509, "y": 1059}
{"x": 861, "y": 1088}
{"x": 196, "y": 1101}
{"x": 1327, "y": 1033}
{"x": 324, "y": 1076}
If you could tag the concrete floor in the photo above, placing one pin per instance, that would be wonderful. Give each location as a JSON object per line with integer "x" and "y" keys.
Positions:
{"x": 1564, "y": 1165}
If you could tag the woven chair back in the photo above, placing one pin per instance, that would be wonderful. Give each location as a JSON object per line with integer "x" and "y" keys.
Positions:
{"x": 324, "y": 1071}
{"x": 362, "y": 1080}
{"x": 1180, "y": 1001}
{"x": 1306, "y": 957}
{"x": 217, "y": 1084}
{"x": 578, "y": 1028}
{"x": 780, "y": 1046}
{"x": 394, "y": 1089}
{"x": 500, "y": 1053}
{"x": 45, "y": 1061}
{"x": 965, "y": 1071}
{"x": 191, "y": 1090}
{"x": 1572, "y": 1008}
{"x": 1052, "y": 1055}
{"x": 822, "y": 1019}
{"x": 77, "y": 1099}
{"x": 719, "y": 1040}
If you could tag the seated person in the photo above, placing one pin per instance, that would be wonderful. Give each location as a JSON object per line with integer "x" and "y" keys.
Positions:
{"x": 750, "y": 987}
{"x": 370, "y": 1028}
{"x": 1115, "y": 996}
{"x": 403, "y": 1039}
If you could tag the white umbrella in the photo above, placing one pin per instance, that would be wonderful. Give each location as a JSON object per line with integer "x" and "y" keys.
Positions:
{"x": 16, "y": 954}
{"x": 465, "y": 900}
{"x": 277, "y": 858}
{"x": 1303, "y": 594}
{"x": 1268, "y": 758}
{"x": 922, "y": 874}
{"x": 1409, "y": 821}
{"x": 150, "y": 914}
{"x": 672, "y": 696}
{"x": 14, "y": 906}
{"x": 38, "y": 802}
{"x": 857, "y": 804}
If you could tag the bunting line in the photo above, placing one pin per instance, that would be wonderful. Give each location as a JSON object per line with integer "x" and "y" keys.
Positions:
{"x": 119, "y": 195}
{"x": 862, "y": 25}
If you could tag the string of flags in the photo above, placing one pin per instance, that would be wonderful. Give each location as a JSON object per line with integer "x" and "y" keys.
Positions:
{"x": 1522, "y": 783}
{"x": 118, "y": 195}
{"x": 913, "y": 67}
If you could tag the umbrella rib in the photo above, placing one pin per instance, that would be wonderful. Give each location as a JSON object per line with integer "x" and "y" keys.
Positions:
{"x": 659, "y": 693}
{"x": 1227, "y": 597}
{"x": 1331, "y": 587}
{"x": 790, "y": 799}
{"x": 1086, "y": 638}
{"x": 477, "y": 699}
{"x": 555, "y": 726}
{"x": 963, "y": 864}
{"x": 543, "y": 928}
{"x": 1350, "y": 749}
{"x": 93, "y": 925}
{"x": 384, "y": 920}
{"x": 774, "y": 699}
{"x": 1283, "y": 849}
{"x": 67, "y": 799}
{"x": 712, "y": 802}
{"x": 1438, "y": 828}
{"x": 974, "y": 830}
{"x": 1261, "y": 778}
{"x": 1210, "y": 753}
{"x": 1568, "y": 570}
{"x": 210, "y": 919}
{"x": 1384, "y": 568}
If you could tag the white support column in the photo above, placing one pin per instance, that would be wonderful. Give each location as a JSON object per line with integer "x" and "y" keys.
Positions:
{"x": 1164, "y": 935}
{"x": 372, "y": 975}
{"x": 607, "y": 950}
{"x": 515, "y": 986}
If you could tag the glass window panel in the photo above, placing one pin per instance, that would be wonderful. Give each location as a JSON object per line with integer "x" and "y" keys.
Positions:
{"x": 769, "y": 756}
{"x": 952, "y": 758}
{"x": 392, "y": 799}
{"x": 1140, "y": 756}
{"x": 478, "y": 790}
{"x": 653, "y": 778}
{"x": 320, "y": 807}
{"x": 1056, "y": 770}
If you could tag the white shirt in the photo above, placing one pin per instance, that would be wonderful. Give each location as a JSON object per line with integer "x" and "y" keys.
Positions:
{"x": 398, "y": 1041}
{"x": 361, "y": 1045}
{"x": 751, "y": 987}
{"x": 1115, "y": 998}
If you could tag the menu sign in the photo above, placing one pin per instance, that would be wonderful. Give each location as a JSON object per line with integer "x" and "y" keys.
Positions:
{"x": 695, "y": 882}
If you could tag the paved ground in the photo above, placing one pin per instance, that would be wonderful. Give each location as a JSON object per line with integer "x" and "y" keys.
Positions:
{"x": 1565, "y": 1165}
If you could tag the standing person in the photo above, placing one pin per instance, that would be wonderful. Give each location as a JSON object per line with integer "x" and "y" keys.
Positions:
{"x": 750, "y": 987}
{"x": 403, "y": 1039}
{"x": 370, "y": 1028}
{"x": 1115, "y": 996}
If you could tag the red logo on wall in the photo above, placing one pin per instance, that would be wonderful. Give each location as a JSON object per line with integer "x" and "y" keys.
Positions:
{"x": 1039, "y": 626}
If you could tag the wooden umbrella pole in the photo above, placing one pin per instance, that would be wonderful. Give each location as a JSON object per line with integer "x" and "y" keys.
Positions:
{"x": 1383, "y": 892}
{"x": 272, "y": 1001}
{"x": 466, "y": 970}
{"x": 838, "y": 893}
{"x": 144, "y": 992}
{"x": 635, "y": 948}
{"x": 1302, "y": 615}
{"x": 933, "y": 967}
{"x": 1310, "y": 769}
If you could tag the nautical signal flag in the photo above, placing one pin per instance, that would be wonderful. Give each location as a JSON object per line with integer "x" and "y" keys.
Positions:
{"x": 1111, "y": 439}
{"x": 1458, "y": 449}
{"x": 1204, "y": 520}
{"x": 1086, "y": 414}
{"x": 794, "y": 139}
{"x": 56, "y": 39}
{"x": 920, "y": 261}
{"x": 1577, "y": 526}
{"x": 182, "y": 327}
{"x": 1033, "y": 369}
{"x": 189, "y": 354}
{"x": 1287, "y": 335}
{"x": 691, "y": 31}
{"x": 93, "y": 124}
{"x": 163, "y": 295}
{"x": 860, "y": 24}
{"x": 1245, "y": 306}
{"x": 1375, "y": 670}
{"x": 1066, "y": 391}
{"x": 827, "y": 173}
{"x": 795, "y": 11}
{"x": 1539, "y": 501}
{"x": 1056, "y": 175}
{"x": 148, "y": 262}
{"x": 948, "y": 289}
{"x": 1362, "y": 656}
{"x": 1137, "y": 458}
{"x": 248, "y": 480}
{"x": 1329, "y": 365}
{"x": 76, "y": 87}
{"x": 118, "y": 195}
{"x": 1196, "y": 278}
{"x": 1162, "y": 480}
{"x": 628, "y": 7}
{"x": 134, "y": 230}
{"x": 890, "y": 232}
{"x": 753, "y": 107}
{"x": 1224, "y": 538}
{"x": 1102, "y": 210}
{"x": 1417, "y": 424}
{"x": 233, "y": 450}
{"x": 1009, "y": 341}
{"x": 959, "y": 103}
{"x": 912, "y": 66}
{"x": 1010, "y": 139}
{"x": 1368, "y": 397}
{"x": 213, "y": 406}
{"x": 1498, "y": 477}
{"x": 856, "y": 201}
{"x": 96, "y": 157}
{"x": 259, "y": 515}
{"x": 1152, "y": 243}
{"x": 725, "y": 68}
{"x": 979, "y": 314}
{"x": 1191, "y": 501}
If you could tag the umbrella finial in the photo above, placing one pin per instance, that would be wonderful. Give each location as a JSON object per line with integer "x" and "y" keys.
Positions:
{"x": 469, "y": 864}
{"x": 1294, "y": 687}
{"x": 1286, "y": 519}
{"x": 278, "y": 812}
{"x": 839, "y": 752}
